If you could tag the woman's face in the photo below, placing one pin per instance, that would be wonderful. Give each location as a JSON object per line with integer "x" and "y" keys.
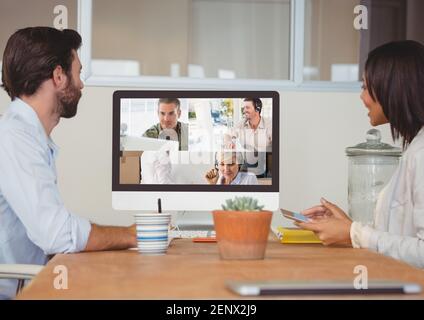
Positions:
{"x": 228, "y": 170}
{"x": 376, "y": 114}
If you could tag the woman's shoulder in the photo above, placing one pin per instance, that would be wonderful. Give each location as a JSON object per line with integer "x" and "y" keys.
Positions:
{"x": 415, "y": 150}
{"x": 412, "y": 162}
{"x": 247, "y": 174}
{"x": 248, "y": 177}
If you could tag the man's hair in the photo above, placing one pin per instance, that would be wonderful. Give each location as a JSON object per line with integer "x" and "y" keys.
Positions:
{"x": 32, "y": 54}
{"x": 170, "y": 100}
{"x": 394, "y": 74}
{"x": 257, "y": 103}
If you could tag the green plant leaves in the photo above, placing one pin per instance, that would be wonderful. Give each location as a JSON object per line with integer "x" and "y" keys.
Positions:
{"x": 242, "y": 204}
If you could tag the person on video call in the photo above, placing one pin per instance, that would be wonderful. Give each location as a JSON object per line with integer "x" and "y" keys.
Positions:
{"x": 156, "y": 167}
{"x": 169, "y": 128}
{"x": 227, "y": 170}
{"x": 255, "y": 135}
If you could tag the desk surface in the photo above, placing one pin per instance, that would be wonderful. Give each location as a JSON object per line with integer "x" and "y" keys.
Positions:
{"x": 195, "y": 271}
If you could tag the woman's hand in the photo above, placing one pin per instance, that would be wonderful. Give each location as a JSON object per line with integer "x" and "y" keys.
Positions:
{"x": 317, "y": 212}
{"x": 330, "y": 223}
{"x": 212, "y": 176}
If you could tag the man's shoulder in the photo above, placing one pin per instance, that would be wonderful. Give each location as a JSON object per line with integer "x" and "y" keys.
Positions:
{"x": 242, "y": 124}
{"x": 183, "y": 125}
{"x": 17, "y": 134}
{"x": 267, "y": 122}
{"x": 12, "y": 126}
{"x": 152, "y": 132}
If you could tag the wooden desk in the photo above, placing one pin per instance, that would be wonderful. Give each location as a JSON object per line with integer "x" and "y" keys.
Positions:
{"x": 195, "y": 271}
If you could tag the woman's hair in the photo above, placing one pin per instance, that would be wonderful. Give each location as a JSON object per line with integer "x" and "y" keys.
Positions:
{"x": 394, "y": 74}
{"x": 227, "y": 157}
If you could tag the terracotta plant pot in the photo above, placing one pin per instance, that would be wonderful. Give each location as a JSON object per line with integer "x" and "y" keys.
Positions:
{"x": 242, "y": 234}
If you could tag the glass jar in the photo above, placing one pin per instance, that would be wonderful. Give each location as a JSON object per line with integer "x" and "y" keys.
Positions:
{"x": 371, "y": 165}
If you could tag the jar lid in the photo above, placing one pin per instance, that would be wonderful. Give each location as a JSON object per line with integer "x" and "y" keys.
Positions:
{"x": 374, "y": 146}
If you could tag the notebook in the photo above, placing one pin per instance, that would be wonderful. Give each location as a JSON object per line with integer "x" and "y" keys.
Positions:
{"x": 294, "y": 235}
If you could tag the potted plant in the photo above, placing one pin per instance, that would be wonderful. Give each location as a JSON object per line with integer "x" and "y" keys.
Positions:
{"x": 242, "y": 229}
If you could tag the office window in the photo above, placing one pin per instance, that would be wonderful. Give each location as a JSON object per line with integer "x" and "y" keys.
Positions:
{"x": 256, "y": 40}
{"x": 17, "y": 14}
{"x": 335, "y": 51}
{"x": 227, "y": 39}
{"x": 391, "y": 20}
{"x": 332, "y": 44}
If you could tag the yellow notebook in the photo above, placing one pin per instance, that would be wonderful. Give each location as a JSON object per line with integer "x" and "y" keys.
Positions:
{"x": 291, "y": 235}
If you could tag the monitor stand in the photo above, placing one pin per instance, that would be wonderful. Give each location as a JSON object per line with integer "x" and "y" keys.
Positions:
{"x": 186, "y": 224}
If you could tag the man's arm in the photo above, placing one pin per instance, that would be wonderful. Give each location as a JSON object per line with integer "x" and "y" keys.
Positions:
{"x": 29, "y": 186}
{"x": 152, "y": 132}
{"x": 111, "y": 238}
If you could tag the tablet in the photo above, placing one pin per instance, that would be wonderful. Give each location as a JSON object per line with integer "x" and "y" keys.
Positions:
{"x": 294, "y": 216}
{"x": 263, "y": 288}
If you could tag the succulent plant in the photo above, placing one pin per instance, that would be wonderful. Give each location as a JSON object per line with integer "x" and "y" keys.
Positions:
{"x": 242, "y": 204}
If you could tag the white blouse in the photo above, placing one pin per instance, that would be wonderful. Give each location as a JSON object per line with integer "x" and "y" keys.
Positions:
{"x": 398, "y": 229}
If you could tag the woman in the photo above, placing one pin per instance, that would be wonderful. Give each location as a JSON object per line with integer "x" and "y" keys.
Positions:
{"x": 392, "y": 92}
{"x": 227, "y": 170}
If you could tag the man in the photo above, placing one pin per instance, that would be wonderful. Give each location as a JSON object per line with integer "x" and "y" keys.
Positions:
{"x": 169, "y": 128}
{"x": 255, "y": 134}
{"x": 41, "y": 74}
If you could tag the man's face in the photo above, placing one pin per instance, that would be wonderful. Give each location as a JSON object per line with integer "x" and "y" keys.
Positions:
{"x": 69, "y": 97}
{"x": 249, "y": 110}
{"x": 168, "y": 115}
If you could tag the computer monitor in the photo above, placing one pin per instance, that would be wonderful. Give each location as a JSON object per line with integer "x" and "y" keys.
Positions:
{"x": 194, "y": 149}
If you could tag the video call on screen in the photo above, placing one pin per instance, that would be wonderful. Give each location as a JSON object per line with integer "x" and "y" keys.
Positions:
{"x": 207, "y": 141}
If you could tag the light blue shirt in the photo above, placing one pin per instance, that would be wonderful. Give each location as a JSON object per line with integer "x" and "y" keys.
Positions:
{"x": 243, "y": 178}
{"x": 34, "y": 222}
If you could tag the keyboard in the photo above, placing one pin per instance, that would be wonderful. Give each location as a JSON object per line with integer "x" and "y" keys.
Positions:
{"x": 191, "y": 233}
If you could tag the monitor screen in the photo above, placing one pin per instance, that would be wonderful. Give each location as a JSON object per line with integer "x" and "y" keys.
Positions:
{"x": 195, "y": 141}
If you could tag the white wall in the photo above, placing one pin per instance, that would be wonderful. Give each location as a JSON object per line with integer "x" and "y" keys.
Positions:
{"x": 315, "y": 130}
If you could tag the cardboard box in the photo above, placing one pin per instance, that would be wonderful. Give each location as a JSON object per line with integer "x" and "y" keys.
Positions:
{"x": 129, "y": 167}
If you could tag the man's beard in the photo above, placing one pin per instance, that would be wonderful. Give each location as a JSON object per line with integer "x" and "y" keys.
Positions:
{"x": 68, "y": 100}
